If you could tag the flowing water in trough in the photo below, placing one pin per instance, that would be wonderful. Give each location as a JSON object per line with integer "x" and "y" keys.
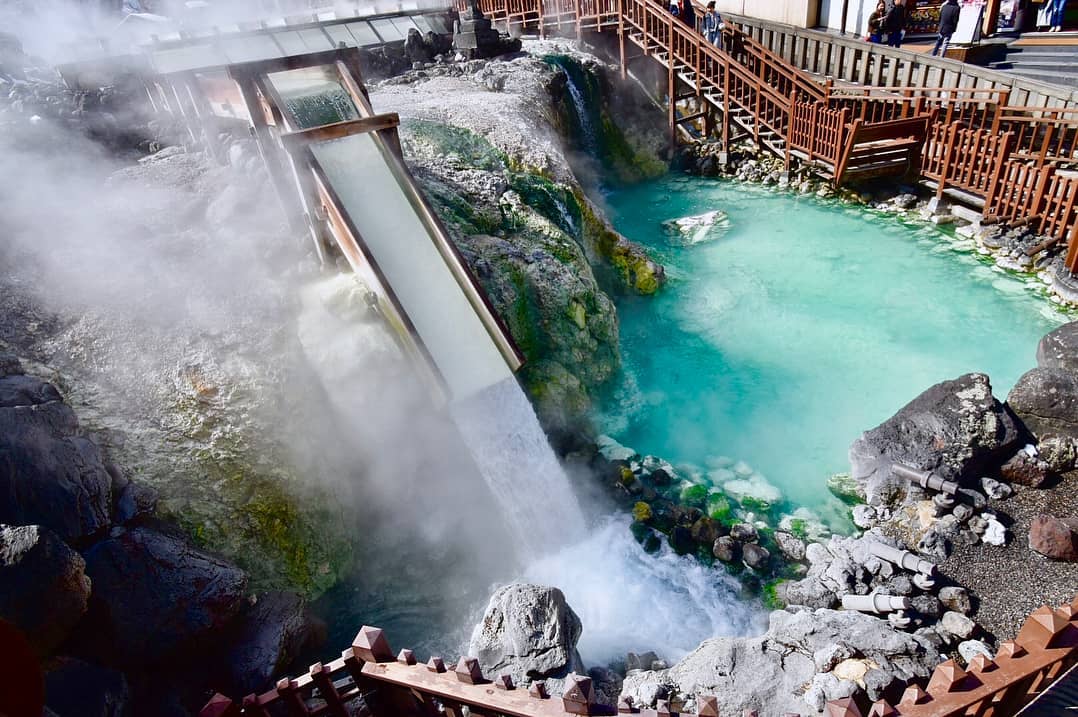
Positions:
{"x": 795, "y": 324}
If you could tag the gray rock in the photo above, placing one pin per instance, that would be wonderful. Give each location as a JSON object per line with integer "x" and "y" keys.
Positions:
{"x": 956, "y": 598}
{"x": 877, "y": 682}
{"x": 767, "y": 673}
{"x": 725, "y": 549}
{"x": 155, "y": 595}
{"x": 973, "y": 497}
{"x": 1058, "y": 452}
{"x": 49, "y": 475}
{"x": 927, "y": 605}
{"x": 962, "y": 512}
{"x": 790, "y": 545}
{"x": 743, "y": 532}
{"x": 826, "y": 658}
{"x": 74, "y": 688}
{"x": 9, "y": 365}
{"x": 864, "y": 516}
{"x": 1059, "y": 349}
{"x": 266, "y": 637}
{"x": 995, "y": 489}
{"x": 957, "y": 624}
{"x": 642, "y": 661}
{"x": 1046, "y": 399}
{"x": 135, "y": 501}
{"x": 529, "y": 632}
{"x": 755, "y": 556}
{"x": 43, "y": 586}
{"x": 971, "y": 648}
{"x": 954, "y": 428}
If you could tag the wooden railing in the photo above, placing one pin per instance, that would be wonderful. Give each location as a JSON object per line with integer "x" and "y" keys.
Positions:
{"x": 819, "y": 131}
{"x": 1042, "y": 134}
{"x": 369, "y": 674}
{"x": 963, "y": 158}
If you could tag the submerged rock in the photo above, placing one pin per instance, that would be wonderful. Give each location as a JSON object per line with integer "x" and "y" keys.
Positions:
{"x": 528, "y": 632}
{"x": 697, "y": 229}
{"x": 955, "y": 428}
{"x": 43, "y": 586}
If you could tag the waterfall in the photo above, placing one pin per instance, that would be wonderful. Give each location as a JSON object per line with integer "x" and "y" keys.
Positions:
{"x": 504, "y": 436}
{"x": 584, "y": 114}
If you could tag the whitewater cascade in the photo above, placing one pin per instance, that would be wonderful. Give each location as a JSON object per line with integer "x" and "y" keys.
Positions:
{"x": 590, "y": 137}
{"x": 504, "y": 436}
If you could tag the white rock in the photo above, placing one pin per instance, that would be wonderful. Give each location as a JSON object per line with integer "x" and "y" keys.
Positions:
{"x": 957, "y": 624}
{"x": 698, "y": 228}
{"x": 995, "y": 533}
{"x": 995, "y": 489}
{"x": 743, "y": 469}
{"x": 971, "y": 648}
{"x": 612, "y": 450}
{"x": 755, "y": 487}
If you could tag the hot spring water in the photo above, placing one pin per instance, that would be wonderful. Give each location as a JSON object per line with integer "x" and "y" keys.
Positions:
{"x": 795, "y": 324}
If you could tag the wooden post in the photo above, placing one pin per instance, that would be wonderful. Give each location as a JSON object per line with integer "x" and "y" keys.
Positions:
{"x": 726, "y": 103}
{"x": 997, "y": 172}
{"x": 621, "y": 39}
{"x": 1045, "y": 174}
{"x": 1046, "y": 142}
{"x": 945, "y": 168}
{"x": 671, "y": 81}
{"x": 1072, "y": 250}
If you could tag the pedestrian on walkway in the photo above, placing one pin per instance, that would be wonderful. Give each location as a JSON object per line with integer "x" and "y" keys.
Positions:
{"x": 1057, "y": 8}
{"x": 713, "y": 25}
{"x": 948, "y": 24}
{"x": 688, "y": 14}
{"x": 895, "y": 23}
{"x": 875, "y": 23}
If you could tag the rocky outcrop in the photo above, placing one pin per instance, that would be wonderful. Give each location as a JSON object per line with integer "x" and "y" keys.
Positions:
{"x": 1046, "y": 399}
{"x": 154, "y": 595}
{"x": 528, "y": 632}
{"x": 50, "y": 475}
{"x": 1059, "y": 349}
{"x": 266, "y": 637}
{"x": 43, "y": 586}
{"x": 831, "y": 653}
{"x": 956, "y": 429}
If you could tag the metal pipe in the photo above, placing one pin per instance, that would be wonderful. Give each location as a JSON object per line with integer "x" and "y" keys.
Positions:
{"x": 903, "y": 558}
{"x": 875, "y": 603}
{"x": 925, "y": 479}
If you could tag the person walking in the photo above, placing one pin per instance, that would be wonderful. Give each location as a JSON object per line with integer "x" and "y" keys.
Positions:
{"x": 948, "y": 24}
{"x": 875, "y": 23}
{"x": 688, "y": 13}
{"x": 713, "y": 25}
{"x": 1056, "y": 14}
{"x": 895, "y": 23}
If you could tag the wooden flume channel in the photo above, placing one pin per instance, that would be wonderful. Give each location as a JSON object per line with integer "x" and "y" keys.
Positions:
{"x": 1006, "y": 157}
{"x": 370, "y": 676}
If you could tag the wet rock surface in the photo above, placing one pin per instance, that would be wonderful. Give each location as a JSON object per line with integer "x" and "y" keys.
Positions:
{"x": 1046, "y": 399}
{"x": 530, "y": 633}
{"x": 266, "y": 637}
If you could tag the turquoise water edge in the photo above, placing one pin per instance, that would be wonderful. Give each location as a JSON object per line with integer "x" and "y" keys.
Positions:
{"x": 780, "y": 338}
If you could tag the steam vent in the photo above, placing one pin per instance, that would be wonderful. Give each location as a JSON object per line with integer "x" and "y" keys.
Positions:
{"x": 535, "y": 358}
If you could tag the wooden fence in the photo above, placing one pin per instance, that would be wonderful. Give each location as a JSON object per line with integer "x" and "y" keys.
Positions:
{"x": 369, "y": 677}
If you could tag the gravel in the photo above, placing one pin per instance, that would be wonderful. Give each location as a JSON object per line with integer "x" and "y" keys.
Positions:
{"x": 1012, "y": 581}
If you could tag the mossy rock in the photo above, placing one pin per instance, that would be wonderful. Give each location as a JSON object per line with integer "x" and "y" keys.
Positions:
{"x": 845, "y": 488}
{"x": 641, "y": 512}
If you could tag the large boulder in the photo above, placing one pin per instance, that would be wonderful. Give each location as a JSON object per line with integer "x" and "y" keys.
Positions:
{"x": 43, "y": 586}
{"x": 49, "y": 475}
{"x": 956, "y": 428}
{"x": 155, "y": 595}
{"x": 1046, "y": 399}
{"x": 74, "y": 688}
{"x": 528, "y": 632}
{"x": 1059, "y": 349}
{"x": 268, "y": 636}
{"x": 769, "y": 673}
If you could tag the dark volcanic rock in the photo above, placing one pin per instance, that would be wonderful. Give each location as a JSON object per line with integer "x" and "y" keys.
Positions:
{"x": 43, "y": 589}
{"x": 74, "y": 688}
{"x": 1046, "y": 399}
{"x": 955, "y": 428}
{"x": 154, "y": 595}
{"x": 49, "y": 475}
{"x": 268, "y": 636}
{"x": 1054, "y": 537}
{"x": 1059, "y": 349}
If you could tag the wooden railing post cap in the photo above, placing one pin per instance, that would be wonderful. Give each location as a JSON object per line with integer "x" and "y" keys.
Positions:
{"x": 845, "y": 707}
{"x": 914, "y": 695}
{"x": 1010, "y": 650}
{"x": 579, "y": 694}
{"x": 371, "y": 645}
{"x": 625, "y": 705}
{"x": 538, "y": 690}
{"x": 882, "y": 708}
{"x": 468, "y": 671}
{"x": 982, "y": 663}
{"x": 1041, "y": 628}
{"x": 504, "y": 682}
{"x": 219, "y": 706}
{"x": 948, "y": 677}
{"x": 707, "y": 706}
{"x": 436, "y": 664}
{"x": 406, "y": 657}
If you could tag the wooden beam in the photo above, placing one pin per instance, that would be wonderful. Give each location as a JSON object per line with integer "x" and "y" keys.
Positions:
{"x": 303, "y": 137}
